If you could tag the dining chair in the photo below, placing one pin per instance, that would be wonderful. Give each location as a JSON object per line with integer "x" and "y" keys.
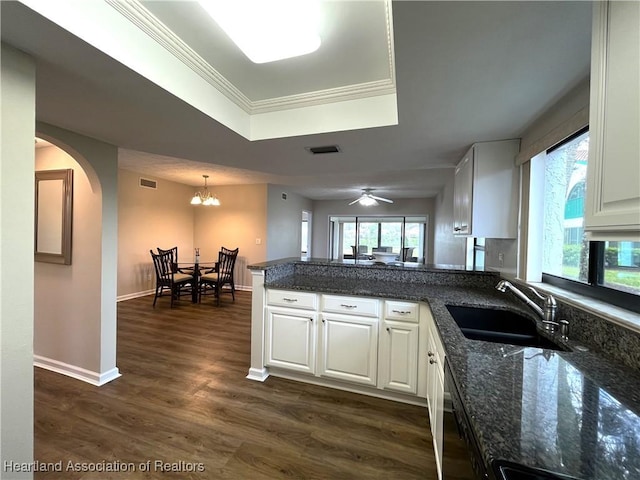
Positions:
{"x": 177, "y": 269}
{"x": 167, "y": 278}
{"x": 220, "y": 276}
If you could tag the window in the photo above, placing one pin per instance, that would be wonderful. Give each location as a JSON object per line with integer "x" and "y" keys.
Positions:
{"x": 359, "y": 236}
{"x": 609, "y": 271}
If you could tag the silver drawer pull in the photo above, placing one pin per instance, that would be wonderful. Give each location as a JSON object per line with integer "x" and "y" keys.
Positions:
{"x": 289, "y": 299}
{"x": 348, "y": 306}
{"x": 401, "y": 312}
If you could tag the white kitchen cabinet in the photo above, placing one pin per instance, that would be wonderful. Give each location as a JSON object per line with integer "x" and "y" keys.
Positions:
{"x": 370, "y": 345}
{"x": 435, "y": 392}
{"x": 613, "y": 175}
{"x": 399, "y": 337}
{"x": 485, "y": 193}
{"x": 349, "y": 348}
{"x": 291, "y": 339}
{"x": 290, "y": 330}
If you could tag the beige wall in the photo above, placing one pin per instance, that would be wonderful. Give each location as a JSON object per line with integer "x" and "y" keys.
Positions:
{"x": 237, "y": 223}
{"x": 148, "y": 219}
{"x": 67, "y": 297}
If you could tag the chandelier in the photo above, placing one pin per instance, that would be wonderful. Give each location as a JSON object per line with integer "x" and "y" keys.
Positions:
{"x": 204, "y": 197}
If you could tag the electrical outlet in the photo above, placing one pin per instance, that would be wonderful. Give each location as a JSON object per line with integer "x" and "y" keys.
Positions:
{"x": 258, "y": 241}
{"x": 501, "y": 259}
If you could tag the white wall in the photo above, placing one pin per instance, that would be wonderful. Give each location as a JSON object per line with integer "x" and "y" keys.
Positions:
{"x": 448, "y": 250}
{"x": 284, "y": 222}
{"x": 17, "y": 100}
{"x": 323, "y": 209}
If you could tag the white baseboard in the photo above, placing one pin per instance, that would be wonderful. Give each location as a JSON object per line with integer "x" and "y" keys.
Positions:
{"x": 131, "y": 296}
{"x": 73, "y": 371}
{"x": 364, "y": 390}
{"x": 258, "y": 374}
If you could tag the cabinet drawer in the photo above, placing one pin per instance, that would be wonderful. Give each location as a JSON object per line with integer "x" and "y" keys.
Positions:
{"x": 287, "y": 298}
{"x": 403, "y": 311}
{"x": 365, "y": 307}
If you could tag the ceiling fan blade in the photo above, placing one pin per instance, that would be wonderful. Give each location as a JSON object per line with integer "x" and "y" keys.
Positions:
{"x": 381, "y": 199}
{"x": 355, "y": 201}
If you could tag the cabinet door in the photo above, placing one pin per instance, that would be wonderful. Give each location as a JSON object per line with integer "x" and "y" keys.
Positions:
{"x": 349, "y": 348}
{"x": 437, "y": 425}
{"x": 613, "y": 190}
{"x": 431, "y": 377}
{"x": 463, "y": 195}
{"x": 399, "y": 357}
{"x": 290, "y": 339}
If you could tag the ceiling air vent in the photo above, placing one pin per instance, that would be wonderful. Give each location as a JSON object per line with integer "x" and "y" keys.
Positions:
{"x": 147, "y": 183}
{"x": 323, "y": 150}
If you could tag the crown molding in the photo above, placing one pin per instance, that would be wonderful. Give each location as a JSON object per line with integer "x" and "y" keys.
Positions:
{"x": 142, "y": 18}
{"x": 148, "y": 23}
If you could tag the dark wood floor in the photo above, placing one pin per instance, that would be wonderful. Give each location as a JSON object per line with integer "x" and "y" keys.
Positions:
{"x": 183, "y": 399}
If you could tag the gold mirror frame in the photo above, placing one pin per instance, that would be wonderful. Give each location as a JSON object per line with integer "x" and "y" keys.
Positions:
{"x": 53, "y": 216}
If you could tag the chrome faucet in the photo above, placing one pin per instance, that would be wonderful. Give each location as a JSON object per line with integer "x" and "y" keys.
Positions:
{"x": 547, "y": 314}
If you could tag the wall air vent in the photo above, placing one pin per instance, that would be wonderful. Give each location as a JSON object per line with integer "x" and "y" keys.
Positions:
{"x": 147, "y": 183}
{"x": 323, "y": 149}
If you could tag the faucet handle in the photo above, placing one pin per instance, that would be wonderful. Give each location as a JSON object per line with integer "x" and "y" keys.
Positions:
{"x": 549, "y": 300}
{"x": 564, "y": 329}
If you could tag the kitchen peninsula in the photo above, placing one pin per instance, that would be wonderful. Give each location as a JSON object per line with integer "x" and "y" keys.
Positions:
{"x": 573, "y": 412}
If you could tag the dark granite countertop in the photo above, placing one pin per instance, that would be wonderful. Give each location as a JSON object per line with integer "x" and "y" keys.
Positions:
{"x": 576, "y": 413}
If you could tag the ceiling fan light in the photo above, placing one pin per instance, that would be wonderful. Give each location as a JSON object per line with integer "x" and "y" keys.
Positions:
{"x": 367, "y": 201}
{"x": 268, "y": 31}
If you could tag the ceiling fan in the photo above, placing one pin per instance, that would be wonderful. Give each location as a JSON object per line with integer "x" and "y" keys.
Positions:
{"x": 367, "y": 199}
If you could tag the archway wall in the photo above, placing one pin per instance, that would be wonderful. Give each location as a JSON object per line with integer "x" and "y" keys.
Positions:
{"x": 75, "y": 305}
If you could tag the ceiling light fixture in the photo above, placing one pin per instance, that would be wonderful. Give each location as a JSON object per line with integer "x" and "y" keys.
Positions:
{"x": 205, "y": 197}
{"x": 267, "y": 31}
{"x": 367, "y": 199}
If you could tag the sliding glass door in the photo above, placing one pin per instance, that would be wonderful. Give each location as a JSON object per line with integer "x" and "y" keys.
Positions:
{"x": 360, "y": 237}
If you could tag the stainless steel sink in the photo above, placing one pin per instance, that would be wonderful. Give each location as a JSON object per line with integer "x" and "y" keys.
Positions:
{"x": 499, "y": 326}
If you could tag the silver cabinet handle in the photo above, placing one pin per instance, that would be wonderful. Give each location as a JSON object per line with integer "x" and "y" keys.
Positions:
{"x": 432, "y": 361}
{"x": 290, "y": 299}
{"x": 430, "y": 354}
{"x": 344, "y": 305}
{"x": 456, "y": 229}
{"x": 401, "y": 312}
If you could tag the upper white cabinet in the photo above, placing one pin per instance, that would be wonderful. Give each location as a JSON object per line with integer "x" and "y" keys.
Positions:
{"x": 613, "y": 175}
{"x": 485, "y": 195}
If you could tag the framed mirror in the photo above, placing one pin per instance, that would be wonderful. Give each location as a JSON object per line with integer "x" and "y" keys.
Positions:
{"x": 53, "y": 216}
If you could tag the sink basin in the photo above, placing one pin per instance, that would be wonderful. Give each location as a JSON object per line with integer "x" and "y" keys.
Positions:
{"x": 499, "y": 326}
{"x": 513, "y": 471}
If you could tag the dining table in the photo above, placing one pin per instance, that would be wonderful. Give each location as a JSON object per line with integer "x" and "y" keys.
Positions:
{"x": 197, "y": 266}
